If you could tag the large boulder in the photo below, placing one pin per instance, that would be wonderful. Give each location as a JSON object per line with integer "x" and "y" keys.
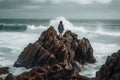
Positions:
{"x": 55, "y": 72}
{"x": 53, "y": 57}
{"x": 84, "y": 52}
{"x": 111, "y": 69}
{"x": 52, "y": 49}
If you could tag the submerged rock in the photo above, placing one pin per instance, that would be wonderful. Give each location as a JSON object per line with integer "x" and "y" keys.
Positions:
{"x": 50, "y": 49}
{"x": 111, "y": 69}
{"x": 4, "y": 70}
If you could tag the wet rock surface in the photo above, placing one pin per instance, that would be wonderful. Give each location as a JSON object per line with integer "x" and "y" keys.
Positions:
{"x": 111, "y": 69}
{"x": 54, "y": 57}
{"x": 4, "y": 70}
{"x": 61, "y": 58}
{"x": 56, "y": 72}
{"x": 52, "y": 49}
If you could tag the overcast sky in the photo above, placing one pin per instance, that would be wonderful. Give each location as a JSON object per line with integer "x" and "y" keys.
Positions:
{"x": 74, "y": 9}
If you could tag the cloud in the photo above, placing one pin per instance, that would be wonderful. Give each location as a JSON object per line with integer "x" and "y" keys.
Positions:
{"x": 80, "y": 1}
{"x": 1, "y": 0}
{"x": 57, "y": 1}
{"x": 38, "y": 3}
{"x": 31, "y": 6}
{"x": 71, "y": 1}
{"x": 104, "y": 1}
{"x": 75, "y": 1}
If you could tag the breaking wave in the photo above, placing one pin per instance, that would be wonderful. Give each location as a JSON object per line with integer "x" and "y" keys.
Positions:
{"x": 83, "y": 29}
{"x": 19, "y": 27}
{"x": 104, "y": 40}
{"x": 12, "y": 27}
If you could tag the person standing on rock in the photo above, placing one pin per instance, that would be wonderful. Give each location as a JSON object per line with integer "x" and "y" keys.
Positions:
{"x": 60, "y": 28}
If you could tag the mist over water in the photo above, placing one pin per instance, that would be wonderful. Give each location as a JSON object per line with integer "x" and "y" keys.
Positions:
{"x": 104, "y": 36}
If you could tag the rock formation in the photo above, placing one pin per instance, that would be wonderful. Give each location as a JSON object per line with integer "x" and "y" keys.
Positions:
{"x": 55, "y": 58}
{"x": 56, "y": 72}
{"x": 4, "y": 70}
{"x": 111, "y": 69}
{"x": 50, "y": 49}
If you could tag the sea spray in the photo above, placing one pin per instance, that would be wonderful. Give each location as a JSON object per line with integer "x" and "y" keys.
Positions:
{"x": 104, "y": 39}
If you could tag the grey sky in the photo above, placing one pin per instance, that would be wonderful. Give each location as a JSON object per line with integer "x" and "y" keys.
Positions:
{"x": 76, "y": 9}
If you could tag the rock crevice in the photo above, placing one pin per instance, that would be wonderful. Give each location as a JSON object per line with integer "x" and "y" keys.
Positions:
{"x": 61, "y": 58}
{"x": 52, "y": 49}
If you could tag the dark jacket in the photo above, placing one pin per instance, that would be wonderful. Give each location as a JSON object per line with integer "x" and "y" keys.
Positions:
{"x": 60, "y": 28}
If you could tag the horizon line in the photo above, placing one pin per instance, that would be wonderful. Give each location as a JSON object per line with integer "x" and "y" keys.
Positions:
{"x": 53, "y": 18}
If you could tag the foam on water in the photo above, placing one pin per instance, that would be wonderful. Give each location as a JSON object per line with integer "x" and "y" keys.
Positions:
{"x": 17, "y": 71}
{"x": 101, "y": 31}
{"x": 67, "y": 24}
{"x": 101, "y": 52}
{"x": 33, "y": 27}
{"x": 12, "y": 43}
{"x": 81, "y": 29}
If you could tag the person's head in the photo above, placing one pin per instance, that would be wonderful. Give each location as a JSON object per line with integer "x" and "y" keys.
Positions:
{"x": 60, "y": 22}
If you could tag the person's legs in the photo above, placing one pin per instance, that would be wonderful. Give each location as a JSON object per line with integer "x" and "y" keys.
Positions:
{"x": 60, "y": 34}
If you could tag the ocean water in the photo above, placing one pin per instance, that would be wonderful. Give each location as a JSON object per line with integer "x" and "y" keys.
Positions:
{"x": 16, "y": 34}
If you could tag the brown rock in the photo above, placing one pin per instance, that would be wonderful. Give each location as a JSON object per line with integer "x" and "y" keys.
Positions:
{"x": 84, "y": 52}
{"x": 1, "y": 79}
{"x": 50, "y": 49}
{"x": 28, "y": 56}
{"x": 4, "y": 70}
{"x": 55, "y": 72}
{"x": 9, "y": 77}
{"x": 111, "y": 69}
{"x": 55, "y": 58}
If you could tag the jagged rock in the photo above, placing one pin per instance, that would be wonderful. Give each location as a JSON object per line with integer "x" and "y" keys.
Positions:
{"x": 84, "y": 52}
{"x": 111, "y": 69}
{"x": 1, "y": 79}
{"x": 4, "y": 70}
{"x": 55, "y": 72}
{"x": 9, "y": 77}
{"x": 64, "y": 56}
{"x": 51, "y": 49}
{"x": 55, "y": 58}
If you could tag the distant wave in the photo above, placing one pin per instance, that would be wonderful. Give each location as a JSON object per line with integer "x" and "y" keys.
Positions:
{"x": 98, "y": 28}
{"x": 12, "y": 27}
{"x": 67, "y": 24}
{"x": 33, "y": 27}
{"x": 19, "y": 27}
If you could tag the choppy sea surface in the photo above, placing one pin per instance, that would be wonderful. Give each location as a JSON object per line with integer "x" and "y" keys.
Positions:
{"x": 16, "y": 34}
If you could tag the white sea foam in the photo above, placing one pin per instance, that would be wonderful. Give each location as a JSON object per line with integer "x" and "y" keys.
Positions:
{"x": 81, "y": 29}
{"x": 101, "y": 51}
{"x": 17, "y": 71}
{"x": 16, "y": 41}
{"x": 33, "y": 27}
{"x": 67, "y": 24}
{"x": 101, "y": 31}
{"x": 11, "y": 44}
